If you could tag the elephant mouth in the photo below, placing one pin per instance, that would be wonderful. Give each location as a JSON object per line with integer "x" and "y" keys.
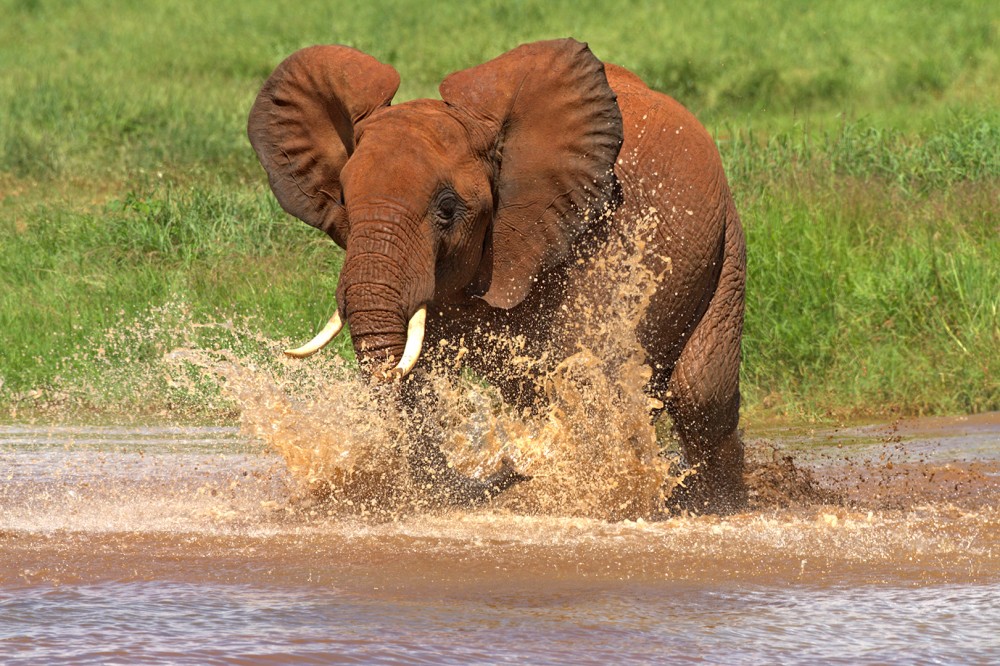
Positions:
{"x": 411, "y": 352}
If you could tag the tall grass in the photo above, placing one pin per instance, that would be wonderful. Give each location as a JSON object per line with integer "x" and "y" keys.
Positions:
{"x": 874, "y": 267}
{"x": 861, "y": 141}
{"x": 876, "y": 302}
{"x": 961, "y": 148}
{"x": 68, "y": 276}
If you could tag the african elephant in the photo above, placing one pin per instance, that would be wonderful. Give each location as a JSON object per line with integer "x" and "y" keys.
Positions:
{"x": 466, "y": 213}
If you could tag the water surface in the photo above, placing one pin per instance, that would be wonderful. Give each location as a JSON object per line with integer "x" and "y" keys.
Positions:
{"x": 185, "y": 545}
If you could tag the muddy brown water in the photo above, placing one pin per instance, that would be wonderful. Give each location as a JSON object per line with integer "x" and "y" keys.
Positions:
{"x": 180, "y": 545}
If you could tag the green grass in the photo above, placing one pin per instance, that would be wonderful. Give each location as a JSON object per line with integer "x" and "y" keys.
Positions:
{"x": 68, "y": 276}
{"x": 861, "y": 140}
{"x": 874, "y": 273}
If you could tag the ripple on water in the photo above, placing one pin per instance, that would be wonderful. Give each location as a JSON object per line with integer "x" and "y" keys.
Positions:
{"x": 163, "y": 621}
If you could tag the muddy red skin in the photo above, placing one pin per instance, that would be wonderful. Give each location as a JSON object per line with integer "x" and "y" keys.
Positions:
{"x": 478, "y": 206}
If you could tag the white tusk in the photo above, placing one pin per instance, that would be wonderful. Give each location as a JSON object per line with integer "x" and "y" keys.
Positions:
{"x": 321, "y": 340}
{"x": 414, "y": 342}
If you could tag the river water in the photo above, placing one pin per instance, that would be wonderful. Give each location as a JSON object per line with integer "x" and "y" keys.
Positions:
{"x": 183, "y": 545}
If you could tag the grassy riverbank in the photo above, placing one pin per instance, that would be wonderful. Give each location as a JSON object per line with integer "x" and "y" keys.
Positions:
{"x": 862, "y": 144}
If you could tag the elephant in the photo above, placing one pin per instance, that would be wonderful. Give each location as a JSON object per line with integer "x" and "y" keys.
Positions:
{"x": 467, "y": 213}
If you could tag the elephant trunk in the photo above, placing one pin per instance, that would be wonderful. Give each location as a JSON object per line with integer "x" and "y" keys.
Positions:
{"x": 379, "y": 338}
{"x": 376, "y": 350}
{"x": 384, "y": 287}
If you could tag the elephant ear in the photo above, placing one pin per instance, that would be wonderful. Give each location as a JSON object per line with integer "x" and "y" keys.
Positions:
{"x": 555, "y": 127}
{"x": 302, "y": 127}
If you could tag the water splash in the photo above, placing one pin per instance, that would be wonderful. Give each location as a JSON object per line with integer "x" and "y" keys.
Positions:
{"x": 587, "y": 439}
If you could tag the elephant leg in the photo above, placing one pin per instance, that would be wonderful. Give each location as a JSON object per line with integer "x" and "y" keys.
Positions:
{"x": 429, "y": 466}
{"x": 703, "y": 398}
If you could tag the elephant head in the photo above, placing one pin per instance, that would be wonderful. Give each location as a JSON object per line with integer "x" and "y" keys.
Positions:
{"x": 473, "y": 195}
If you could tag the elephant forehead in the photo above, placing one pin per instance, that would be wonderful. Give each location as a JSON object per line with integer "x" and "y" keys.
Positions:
{"x": 415, "y": 146}
{"x": 418, "y": 126}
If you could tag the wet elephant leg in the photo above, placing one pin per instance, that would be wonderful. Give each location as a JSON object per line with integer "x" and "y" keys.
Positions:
{"x": 703, "y": 397}
{"x": 428, "y": 465}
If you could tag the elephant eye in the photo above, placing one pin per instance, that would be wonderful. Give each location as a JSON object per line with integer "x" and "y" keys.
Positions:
{"x": 447, "y": 206}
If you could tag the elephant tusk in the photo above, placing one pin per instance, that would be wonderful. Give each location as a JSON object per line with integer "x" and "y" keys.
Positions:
{"x": 414, "y": 343}
{"x": 321, "y": 340}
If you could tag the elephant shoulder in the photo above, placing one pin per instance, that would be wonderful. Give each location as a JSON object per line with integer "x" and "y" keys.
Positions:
{"x": 637, "y": 100}
{"x": 648, "y": 114}
{"x": 622, "y": 81}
